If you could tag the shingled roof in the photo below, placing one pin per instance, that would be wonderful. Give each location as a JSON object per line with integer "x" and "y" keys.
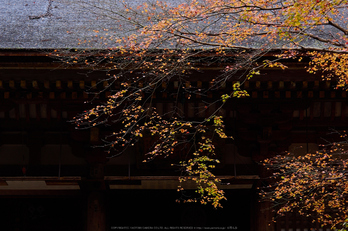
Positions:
{"x": 48, "y": 24}
{"x": 41, "y": 24}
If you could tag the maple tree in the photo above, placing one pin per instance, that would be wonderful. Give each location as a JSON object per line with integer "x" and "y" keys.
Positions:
{"x": 314, "y": 185}
{"x": 151, "y": 43}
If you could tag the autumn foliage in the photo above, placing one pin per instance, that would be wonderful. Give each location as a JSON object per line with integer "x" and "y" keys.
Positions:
{"x": 154, "y": 42}
{"x": 314, "y": 185}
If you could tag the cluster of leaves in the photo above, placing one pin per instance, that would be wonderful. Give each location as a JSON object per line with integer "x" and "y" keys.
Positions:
{"x": 188, "y": 29}
{"x": 156, "y": 42}
{"x": 314, "y": 185}
{"x": 126, "y": 108}
{"x": 198, "y": 168}
{"x": 331, "y": 65}
{"x": 344, "y": 225}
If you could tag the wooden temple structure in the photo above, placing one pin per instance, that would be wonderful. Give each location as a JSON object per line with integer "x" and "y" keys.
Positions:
{"x": 51, "y": 177}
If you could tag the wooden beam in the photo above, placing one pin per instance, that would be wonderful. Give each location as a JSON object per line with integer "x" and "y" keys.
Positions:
{"x": 227, "y": 177}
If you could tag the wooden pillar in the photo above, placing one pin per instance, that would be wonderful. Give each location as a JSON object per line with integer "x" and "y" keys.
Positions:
{"x": 95, "y": 194}
{"x": 95, "y": 190}
{"x": 264, "y": 216}
{"x": 262, "y": 213}
{"x": 96, "y": 212}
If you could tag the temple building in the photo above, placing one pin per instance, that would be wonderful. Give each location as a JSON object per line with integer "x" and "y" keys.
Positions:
{"x": 52, "y": 177}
